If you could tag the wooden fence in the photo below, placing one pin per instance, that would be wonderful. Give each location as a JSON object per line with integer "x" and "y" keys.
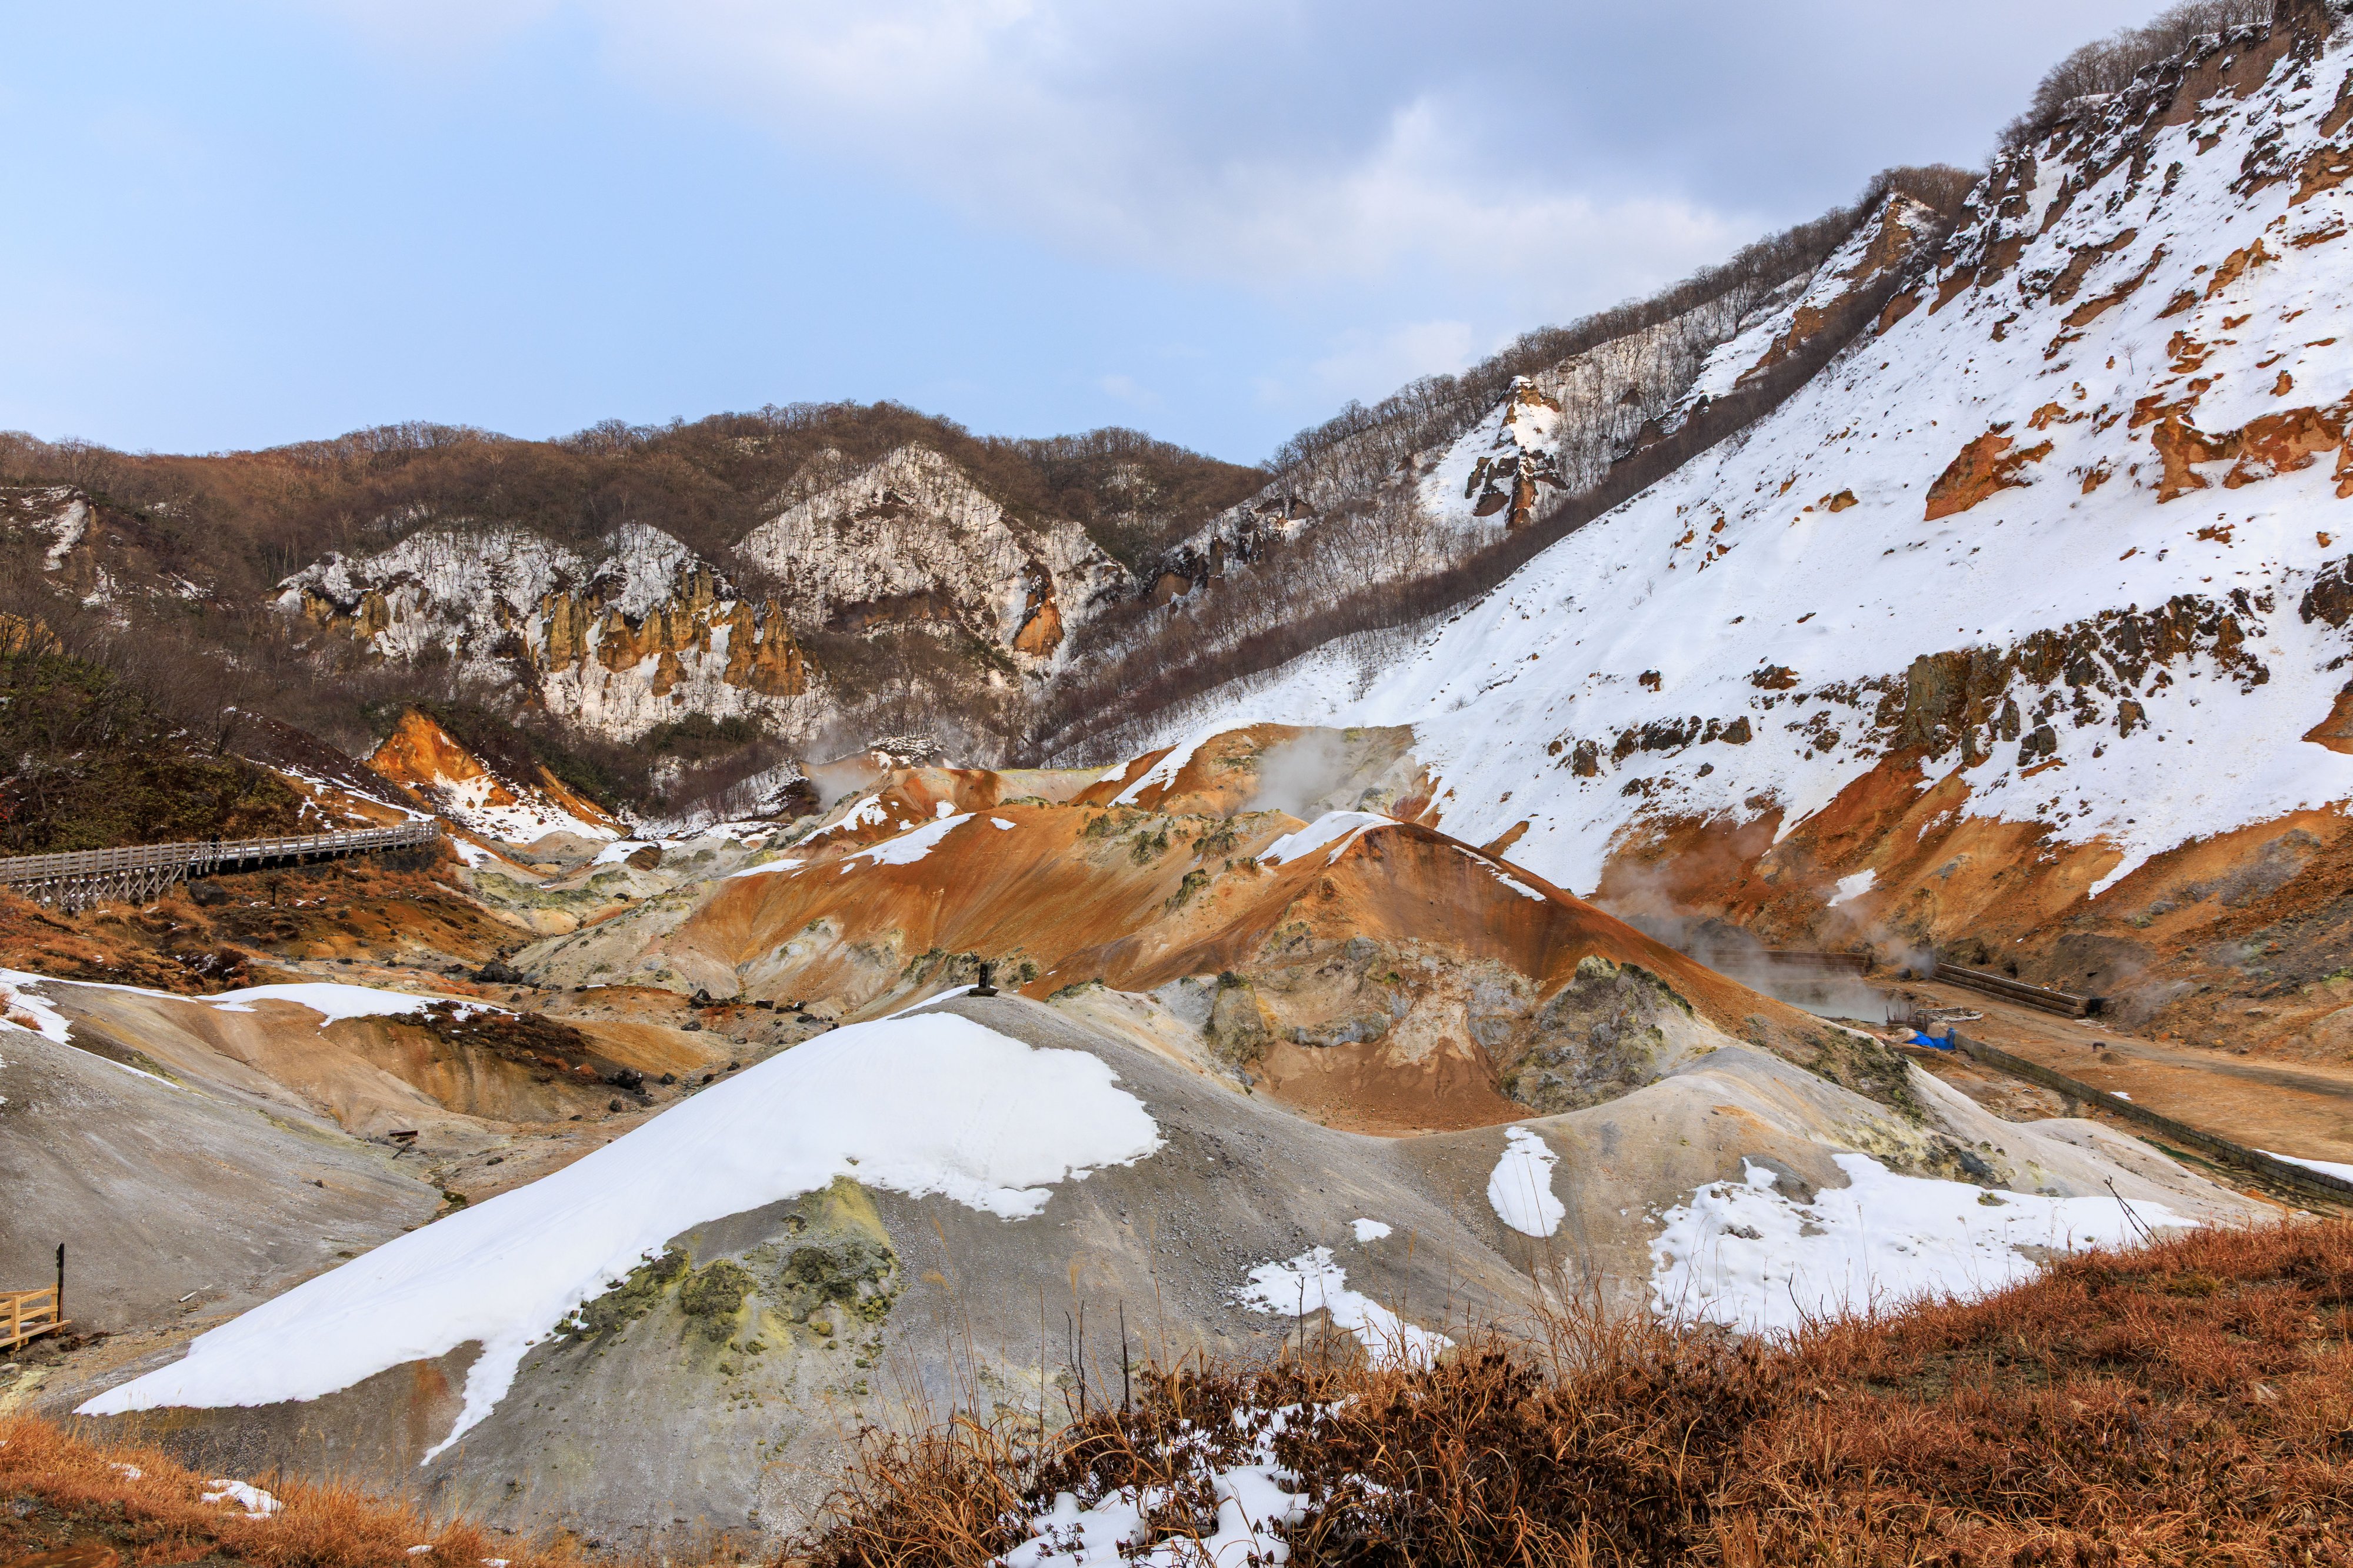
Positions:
{"x": 1795, "y": 962}
{"x": 25, "y": 1314}
{"x": 2305, "y": 1185}
{"x": 2064, "y": 1002}
{"x": 79, "y": 879}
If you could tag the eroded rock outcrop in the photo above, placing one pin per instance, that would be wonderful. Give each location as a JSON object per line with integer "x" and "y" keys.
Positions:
{"x": 642, "y": 633}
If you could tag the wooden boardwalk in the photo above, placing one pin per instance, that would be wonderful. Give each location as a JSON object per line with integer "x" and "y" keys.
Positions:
{"x": 79, "y": 879}
{"x": 26, "y": 1314}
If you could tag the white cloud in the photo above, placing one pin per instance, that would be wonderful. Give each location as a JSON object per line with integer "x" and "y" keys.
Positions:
{"x": 1216, "y": 139}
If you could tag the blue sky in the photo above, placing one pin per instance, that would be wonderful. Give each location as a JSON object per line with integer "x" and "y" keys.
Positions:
{"x": 234, "y": 225}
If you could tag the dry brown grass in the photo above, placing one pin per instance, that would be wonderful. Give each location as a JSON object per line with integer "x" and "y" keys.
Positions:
{"x": 2190, "y": 1403}
{"x": 2185, "y": 1403}
{"x": 73, "y": 1504}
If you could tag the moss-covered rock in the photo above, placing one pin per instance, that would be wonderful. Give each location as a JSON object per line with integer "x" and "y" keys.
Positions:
{"x": 837, "y": 1263}
{"x": 1238, "y": 1027}
{"x": 1599, "y": 1037}
{"x": 630, "y": 1299}
{"x": 712, "y": 1296}
{"x": 1867, "y": 1067}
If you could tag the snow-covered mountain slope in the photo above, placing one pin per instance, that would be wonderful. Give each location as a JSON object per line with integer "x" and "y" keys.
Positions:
{"x": 1556, "y": 432}
{"x": 913, "y": 538}
{"x": 1784, "y": 323}
{"x": 2044, "y": 579}
{"x": 642, "y": 632}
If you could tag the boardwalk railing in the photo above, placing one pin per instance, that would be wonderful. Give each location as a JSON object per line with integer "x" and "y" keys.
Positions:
{"x": 79, "y": 879}
{"x": 25, "y": 1314}
{"x": 2064, "y": 1002}
{"x": 2306, "y": 1186}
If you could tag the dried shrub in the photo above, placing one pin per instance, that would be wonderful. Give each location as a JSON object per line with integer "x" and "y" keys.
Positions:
{"x": 144, "y": 1505}
{"x": 2190, "y": 1401}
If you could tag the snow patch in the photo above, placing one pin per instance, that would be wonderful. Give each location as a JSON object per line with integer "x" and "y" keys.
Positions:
{"x": 788, "y": 864}
{"x": 1852, "y": 887}
{"x": 333, "y": 1002}
{"x": 2325, "y": 1167}
{"x": 1520, "y": 1188}
{"x": 257, "y": 1503}
{"x": 1252, "y": 1500}
{"x": 932, "y": 1104}
{"x": 1312, "y": 1282}
{"x": 1744, "y": 1255}
{"x": 1343, "y": 826}
{"x": 909, "y": 848}
{"x": 1162, "y": 773}
{"x": 1369, "y": 1230}
{"x": 20, "y": 1009}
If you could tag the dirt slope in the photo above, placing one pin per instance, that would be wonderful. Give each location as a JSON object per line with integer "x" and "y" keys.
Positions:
{"x": 730, "y": 1404}
{"x": 1382, "y": 974}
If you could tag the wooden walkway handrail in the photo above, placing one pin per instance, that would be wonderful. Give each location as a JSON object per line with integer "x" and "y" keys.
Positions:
{"x": 80, "y": 876}
{"x": 26, "y": 1314}
{"x": 2064, "y": 1002}
{"x": 2303, "y": 1182}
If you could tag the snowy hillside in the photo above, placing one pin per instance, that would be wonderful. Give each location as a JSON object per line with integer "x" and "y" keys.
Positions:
{"x": 1556, "y": 431}
{"x": 933, "y": 1105}
{"x": 1784, "y": 322}
{"x": 2066, "y": 533}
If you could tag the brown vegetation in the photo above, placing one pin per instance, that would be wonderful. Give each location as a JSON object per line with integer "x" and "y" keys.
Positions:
{"x": 2188, "y": 1402}
{"x": 212, "y": 936}
{"x": 2108, "y": 65}
{"x": 77, "y": 1505}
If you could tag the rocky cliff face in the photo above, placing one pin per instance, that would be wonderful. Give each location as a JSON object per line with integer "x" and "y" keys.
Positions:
{"x": 1989, "y": 631}
{"x": 913, "y": 538}
{"x": 1555, "y": 432}
{"x": 643, "y": 632}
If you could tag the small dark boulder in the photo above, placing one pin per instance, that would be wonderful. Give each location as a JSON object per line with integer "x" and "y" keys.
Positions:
{"x": 498, "y": 972}
{"x": 207, "y": 895}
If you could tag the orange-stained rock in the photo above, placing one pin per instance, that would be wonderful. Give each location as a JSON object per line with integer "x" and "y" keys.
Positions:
{"x": 2336, "y": 732}
{"x": 1991, "y": 462}
{"x": 762, "y": 655}
{"x": 1042, "y": 634}
{"x": 1330, "y": 942}
{"x": 421, "y": 754}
